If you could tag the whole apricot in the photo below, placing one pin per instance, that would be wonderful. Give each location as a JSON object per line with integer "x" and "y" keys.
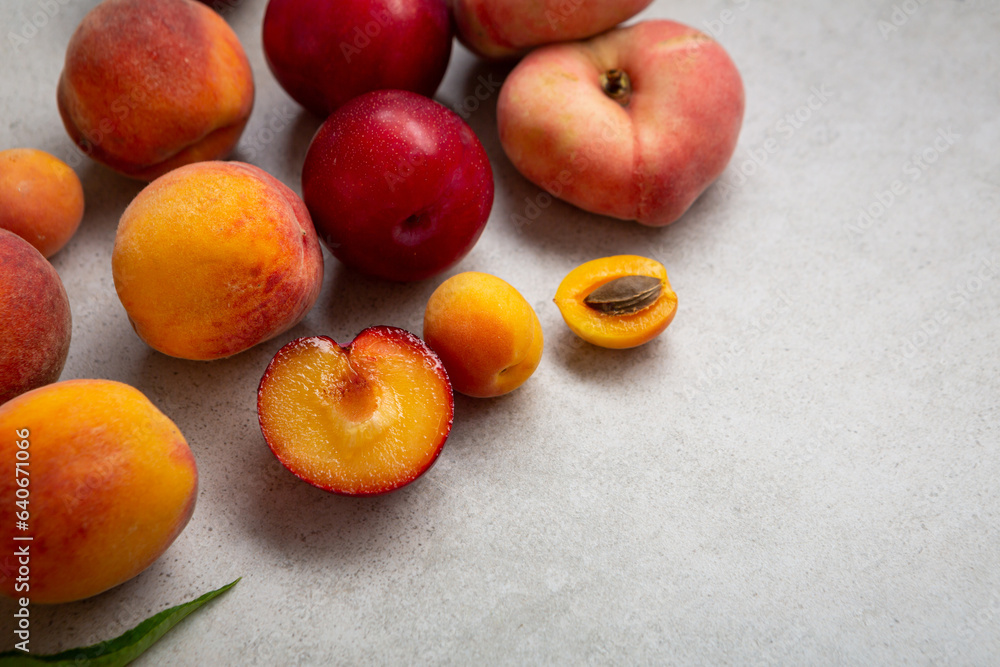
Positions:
{"x": 99, "y": 479}
{"x": 35, "y": 319}
{"x": 215, "y": 257}
{"x": 41, "y": 198}
{"x": 617, "y": 302}
{"x": 487, "y": 335}
{"x": 150, "y": 85}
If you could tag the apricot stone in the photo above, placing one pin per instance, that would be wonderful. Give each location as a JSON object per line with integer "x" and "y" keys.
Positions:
{"x": 487, "y": 335}
{"x": 150, "y": 85}
{"x": 35, "y": 320}
{"x": 41, "y": 198}
{"x": 107, "y": 483}
{"x": 215, "y": 257}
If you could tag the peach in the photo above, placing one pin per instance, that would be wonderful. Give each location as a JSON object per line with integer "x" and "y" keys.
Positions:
{"x": 150, "y": 85}
{"x": 617, "y": 302}
{"x": 213, "y": 258}
{"x": 35, "y": 320}
{"x": 504, "y": 28}
{"x": 41, "y": 198}
{"x": 361, "y": 419}
{"x": 633, "y": 124}
{"x": 102, "y": 481}
{"x": 487, "y": 335}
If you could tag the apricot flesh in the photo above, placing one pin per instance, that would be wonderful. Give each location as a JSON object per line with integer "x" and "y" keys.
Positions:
{"x": 361, "y": 419}
{"x": 486, "y": 333}
{"x": 638, "y": 321}
{"x": 41, "y": 198}
{"x": 112, "y": 483}
{"x": 215, "y": 257}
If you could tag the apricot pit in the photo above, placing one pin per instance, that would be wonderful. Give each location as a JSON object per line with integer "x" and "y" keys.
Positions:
{"x": 617, "y": 302}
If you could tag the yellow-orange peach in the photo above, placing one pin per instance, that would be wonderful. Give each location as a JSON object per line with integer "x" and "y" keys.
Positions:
{"x": 41, "y": 198}
{"x": 639, "y": 310}
{"x": 487, "y": 335}
{"x": 215, "y": 257}
{"x": 150, "y": 85}
{"x": 102, "y": 481}
{"x": 35, "y": 320}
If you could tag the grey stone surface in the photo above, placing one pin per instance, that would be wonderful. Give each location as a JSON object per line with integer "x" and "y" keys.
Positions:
{"x": 802, "y": 470}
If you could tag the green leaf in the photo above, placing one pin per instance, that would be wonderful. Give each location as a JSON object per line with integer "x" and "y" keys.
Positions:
{"x": 118, "y": 651}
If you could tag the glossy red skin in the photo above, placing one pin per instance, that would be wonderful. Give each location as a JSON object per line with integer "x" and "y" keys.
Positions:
{"x": 360, "y": 345}
{"x": 35, "y": 320}
{"x": 398, "y": 186}
{"x": 324, "y": 53}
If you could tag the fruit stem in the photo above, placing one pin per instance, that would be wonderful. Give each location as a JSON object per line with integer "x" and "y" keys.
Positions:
{"x": 617, "y": 85}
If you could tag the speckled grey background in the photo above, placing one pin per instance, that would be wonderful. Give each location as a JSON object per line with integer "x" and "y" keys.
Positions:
{"x": 802, "y": 470}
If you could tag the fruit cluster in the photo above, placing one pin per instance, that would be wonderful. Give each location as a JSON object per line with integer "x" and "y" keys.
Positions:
{"x": 214, "y": 257}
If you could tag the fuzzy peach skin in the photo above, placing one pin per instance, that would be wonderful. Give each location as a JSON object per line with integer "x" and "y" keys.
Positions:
{"x": 41, "y": 198}
{"x": 505, "y": 28}
{"x": 150, "y": 85}
{"x": 647, "y": 160}
{"x": 35, "y": 320}
{"x": 110, "y": 483}
{"x": 487, "y": 335}
{"x": 215, "y": 257}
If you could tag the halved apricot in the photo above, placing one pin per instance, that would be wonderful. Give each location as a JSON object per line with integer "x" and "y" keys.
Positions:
{"x": 617, "y": 302}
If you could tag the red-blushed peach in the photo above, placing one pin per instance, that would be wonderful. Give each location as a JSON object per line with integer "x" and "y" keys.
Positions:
{"x": 150, "y": 85}
{"x": 215, "y": 257}
{"x": 358, "y": 419}
{"x": 487, "y": 335}
{"x": 634, "y": 124}
{"x": 41, "y": 198}
{"x": 35, "y": 319}
{"x": 102, "y": 481}
{"x": 505, "y": 28}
